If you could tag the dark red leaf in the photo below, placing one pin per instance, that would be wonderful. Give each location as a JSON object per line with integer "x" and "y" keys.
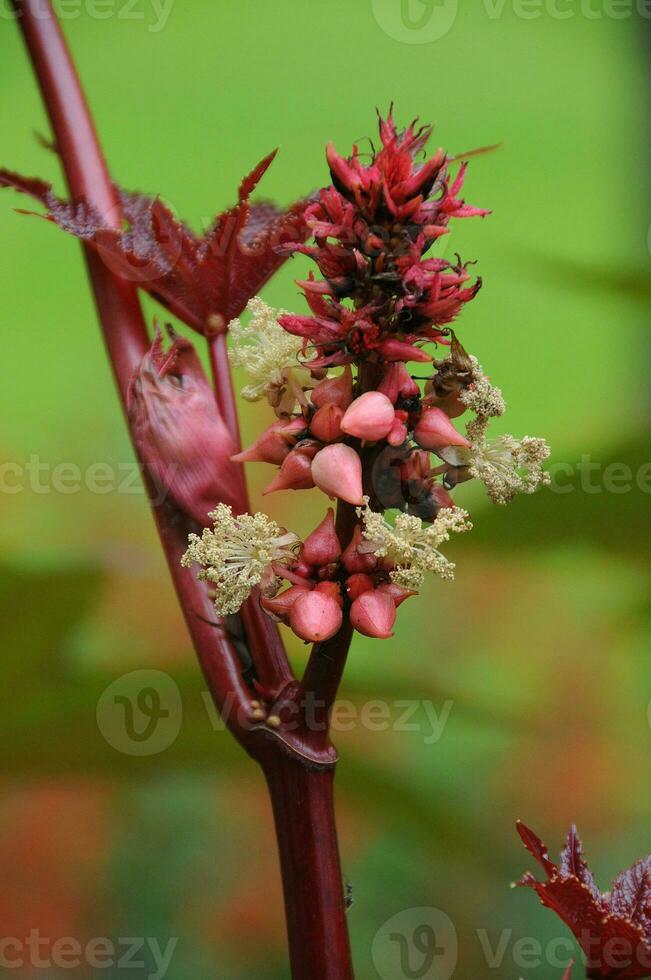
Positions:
{"x": 536, "y": 847}
{"x": 573, "y": 863}
{"x": 205, "y": 280}
{"x": 613, "y": 929}
{"x": 630, "y": 895}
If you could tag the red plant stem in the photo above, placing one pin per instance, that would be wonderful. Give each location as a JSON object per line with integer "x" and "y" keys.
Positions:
{"x": 325, "y": 667}
{"x": 123, "y": 326}
{"x": 272, "y": 665}
{"x": 303, "y": 807}
{"x": 299, "y": 773}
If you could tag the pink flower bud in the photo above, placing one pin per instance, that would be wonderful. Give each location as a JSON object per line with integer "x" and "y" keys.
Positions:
{"x": 295, "y": 473}
{"x": 397, "y": 593}
{"x": 274, "y": 443}
{"x": 398, "y": 383}
{"x": 358, "y": 583}
{"x": 322, "y": 547}
{"x": 373, "y": 614}
{"x": 399, "y": 431}
{"x": 178, "y": 431}
{"x": 335, "y": 391}
{"x": 315, "y": 617}
{"x": 332, "y": 589}
{"x": 434, "y": 431}
{"x": 279, "y": 607}
{"x": 337, "y": 470}
{"x": 355, "y": 560}
{"x": 370, "y": 417}
{"x": 326, "y": 423}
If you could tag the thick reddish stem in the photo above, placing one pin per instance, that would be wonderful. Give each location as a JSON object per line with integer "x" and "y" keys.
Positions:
{"x": 271, "y": 660}
{"x": 322, "y": 677}
{"x": 123, "y": 327}
{"x": 303, "y": 807}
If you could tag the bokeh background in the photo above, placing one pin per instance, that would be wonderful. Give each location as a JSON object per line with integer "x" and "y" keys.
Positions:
{"x": 537, "y": 654}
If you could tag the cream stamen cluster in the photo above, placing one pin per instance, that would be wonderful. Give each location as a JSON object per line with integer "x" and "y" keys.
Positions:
{"x": 238, "y": 554}
{"x": 410, "y": 546}
{"x": 267, "y": 353}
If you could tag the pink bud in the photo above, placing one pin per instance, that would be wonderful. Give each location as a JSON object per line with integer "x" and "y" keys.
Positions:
{"x": 397, "y": 593}
{"x": 434, "y": 431}
{"x": 358, "y": 583}
{"x": 373, "y": 614}
{"x": 335, "y": 391}
{"x": 333, "y": 589}
{"x": 355, "y": 560}
{"x": 315, "y": 617}
{"x": 178, "y": 431}
{"x": 322, "y": 546}
{"x": 370, "y": 417}
{"x": 337, "y": 470}
{"x": 295, "y": 473}
{"x": 399, "y": 431}
{"x": 279, "y": 607}
{"x": 326, "y": 423}
{"x": 398, "y": 383}
{"x": 274, "y": 443}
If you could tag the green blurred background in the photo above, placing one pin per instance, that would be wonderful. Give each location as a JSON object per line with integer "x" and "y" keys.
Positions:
{"x": 541, "y": 644}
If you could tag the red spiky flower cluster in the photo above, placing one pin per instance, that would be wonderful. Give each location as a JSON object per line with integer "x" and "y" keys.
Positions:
{"x": 371, "y": 230}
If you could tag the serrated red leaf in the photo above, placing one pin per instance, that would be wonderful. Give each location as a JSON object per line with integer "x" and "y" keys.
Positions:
{"x": 573, "y": 863}
{"x": 205, "y": 280}
{"x": 630, "y": 895}
{"x": 535, "y": 847}
{"x": 613, "y": 929}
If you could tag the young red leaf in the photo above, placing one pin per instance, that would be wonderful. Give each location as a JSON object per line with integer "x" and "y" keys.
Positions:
{"x": 612, "y": 928}
{"x": 205, "y": 280}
